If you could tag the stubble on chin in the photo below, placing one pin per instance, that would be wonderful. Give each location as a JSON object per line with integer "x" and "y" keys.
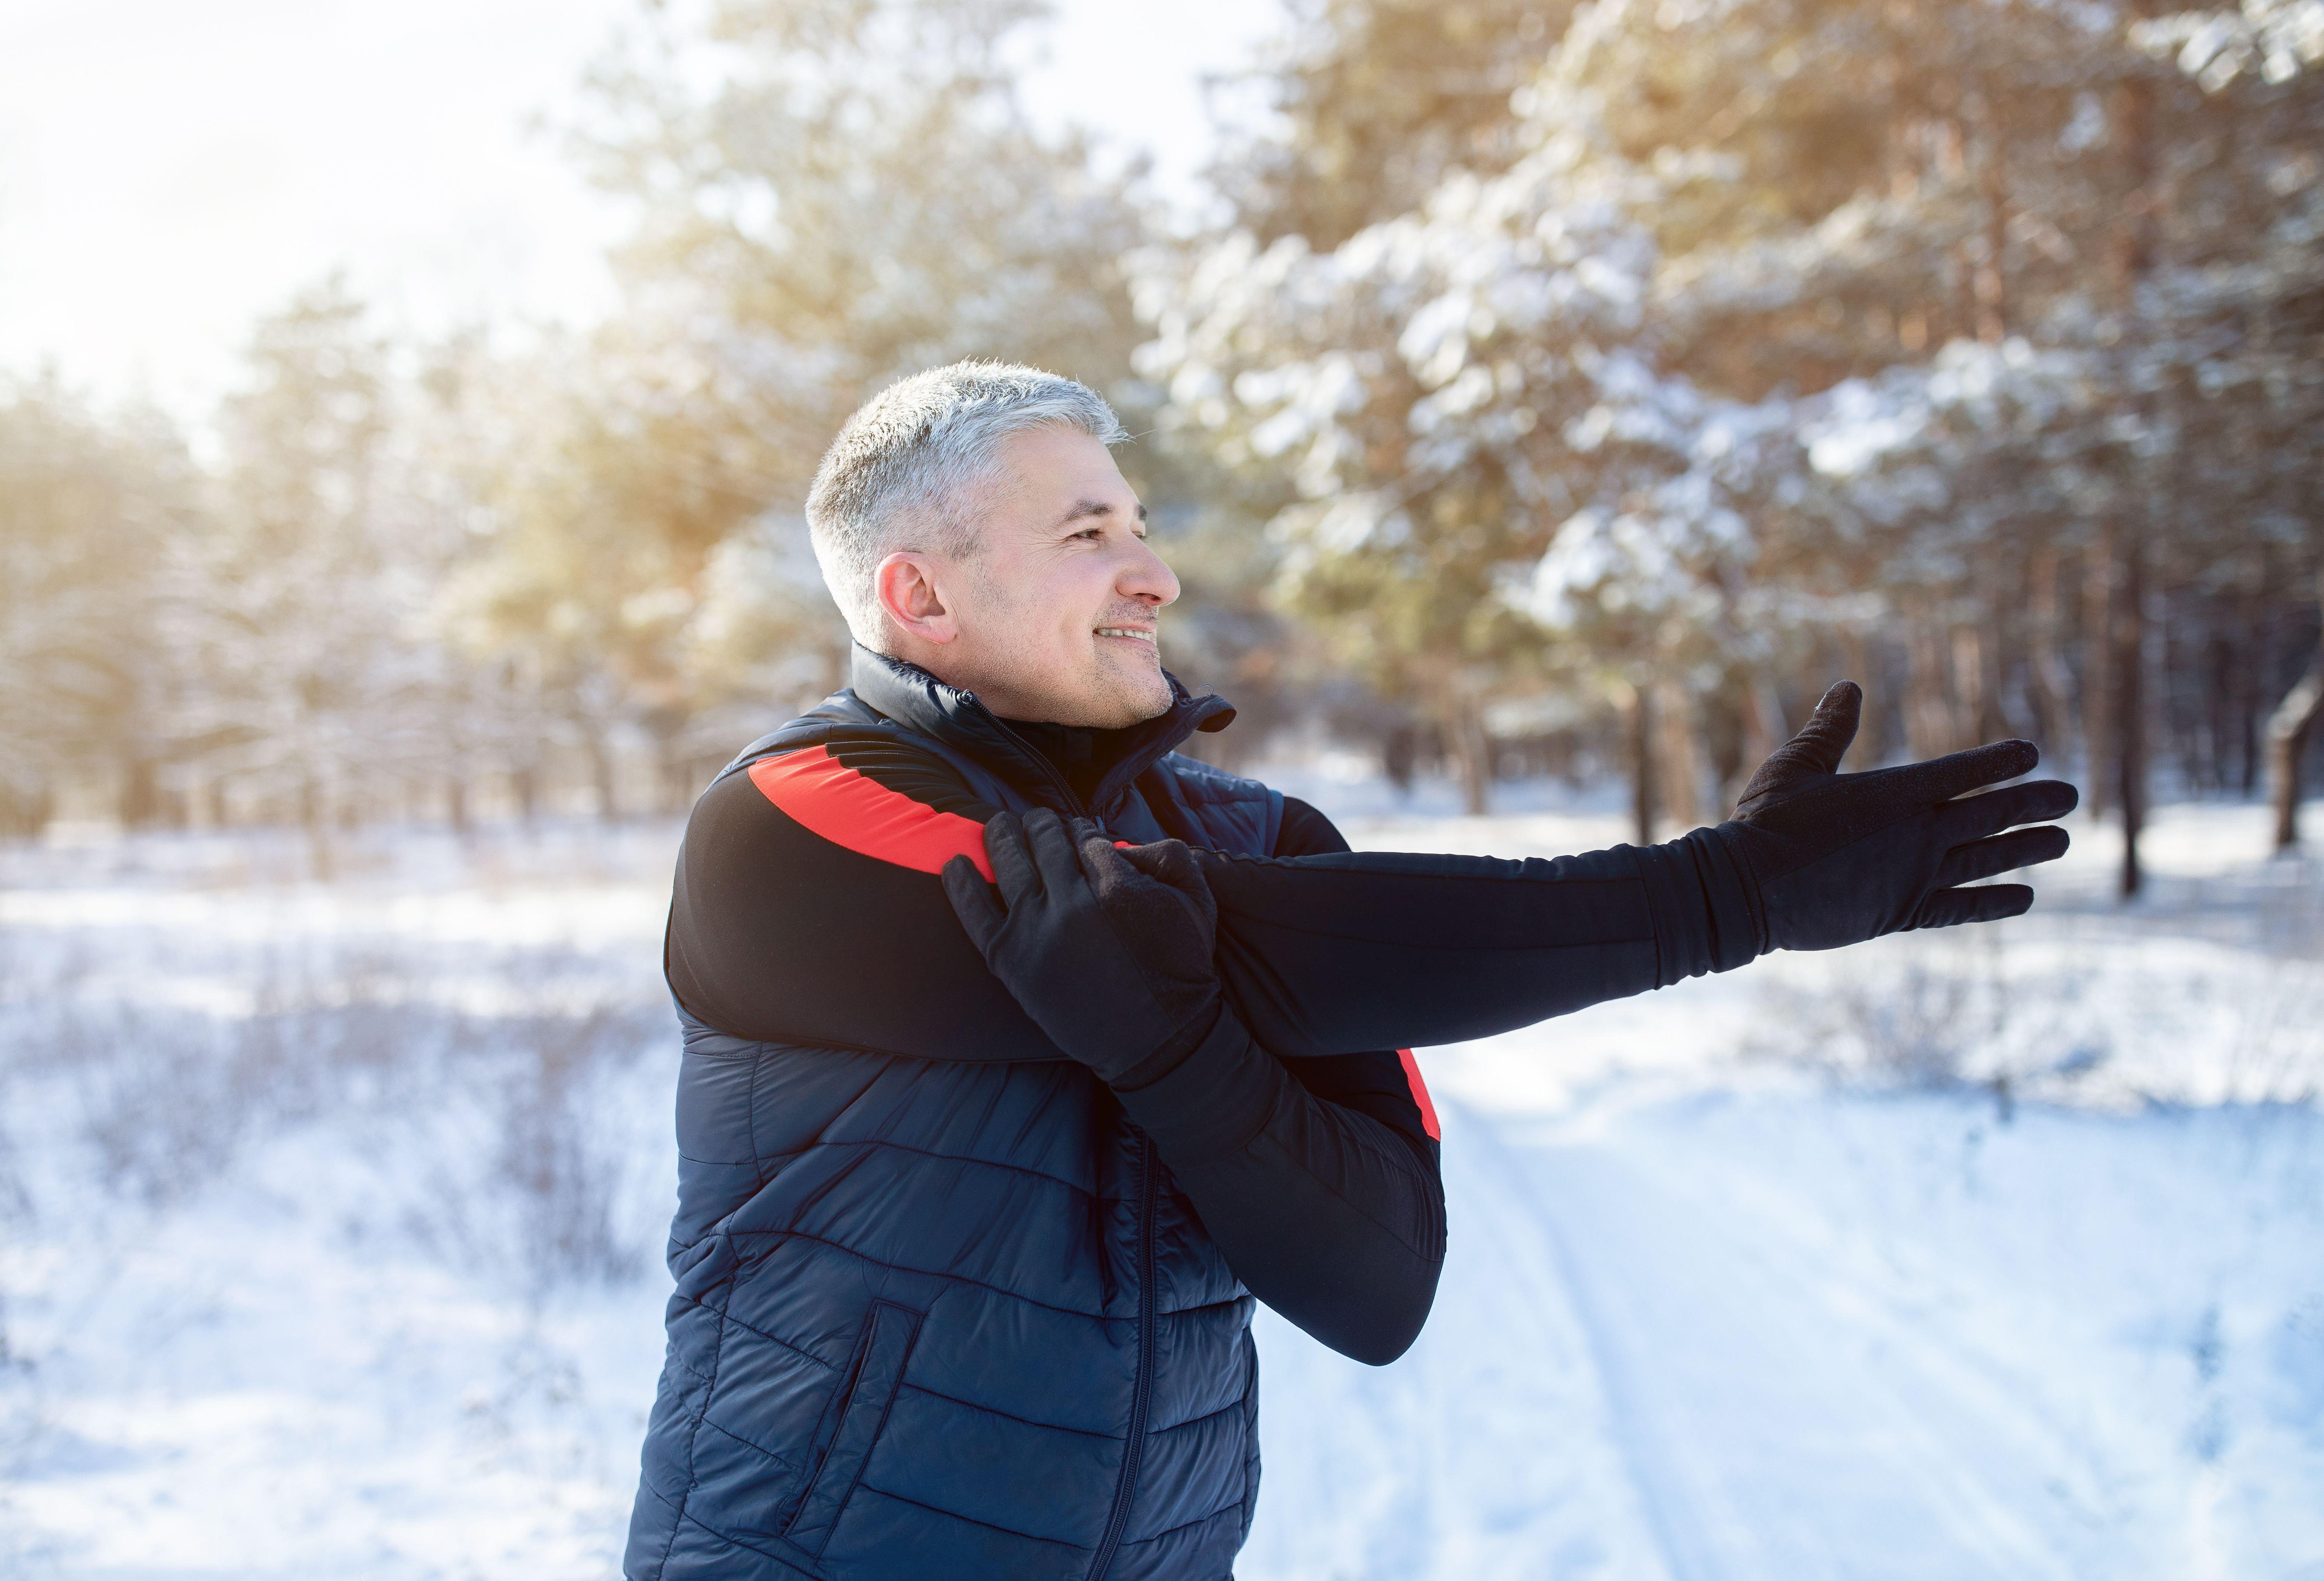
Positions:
{"x": 1131, "y": 697}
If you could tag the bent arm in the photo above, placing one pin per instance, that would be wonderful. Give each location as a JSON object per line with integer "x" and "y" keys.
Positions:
{"x": 1333, "y": 1216}
{"x": 1318, "y": 1178}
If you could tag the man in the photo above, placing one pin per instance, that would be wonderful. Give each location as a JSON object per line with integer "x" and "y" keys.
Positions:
{"x": 1023, "y": 1053}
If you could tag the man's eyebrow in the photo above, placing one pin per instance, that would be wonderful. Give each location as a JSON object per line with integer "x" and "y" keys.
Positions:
{"x": 1093, "y": 507}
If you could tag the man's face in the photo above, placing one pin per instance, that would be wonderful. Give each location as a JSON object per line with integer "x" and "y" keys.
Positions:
{"x": 1054, "y": 617}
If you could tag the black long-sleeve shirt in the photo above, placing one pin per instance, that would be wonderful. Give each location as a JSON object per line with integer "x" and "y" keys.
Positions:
{"x": 1299, "y": 1128}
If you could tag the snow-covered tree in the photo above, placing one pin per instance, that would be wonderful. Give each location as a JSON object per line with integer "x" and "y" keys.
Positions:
{"x": 1363, "y": 108}
{"x": 321, "y": 683}
{"x": 2037, "y": 247}
{"x": 94, "y": 509}
{"x": 1938, "y": 337}
{"x": 1487, "y": 444}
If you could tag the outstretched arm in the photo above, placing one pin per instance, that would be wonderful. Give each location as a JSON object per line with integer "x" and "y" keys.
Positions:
{"x": 806, "y": 906}
{"x": 1380, "y": 948}
{"x": 1386, "y": 949}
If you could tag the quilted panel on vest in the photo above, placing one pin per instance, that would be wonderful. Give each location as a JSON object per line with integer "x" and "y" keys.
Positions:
{"x": 1001, "y": 1204}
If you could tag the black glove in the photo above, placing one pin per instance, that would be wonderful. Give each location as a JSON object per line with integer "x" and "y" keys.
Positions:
{"x": 1837, "y": 859}
{"x": 1107, "y": 949}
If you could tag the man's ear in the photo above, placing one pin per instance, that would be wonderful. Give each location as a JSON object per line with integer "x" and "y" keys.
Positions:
{"x": 906, "y": 586}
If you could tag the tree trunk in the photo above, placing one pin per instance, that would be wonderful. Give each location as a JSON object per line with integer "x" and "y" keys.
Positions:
{"x": 1681, "y": 763}
{"x": 2053, "y": 683}
{"x": 2221, "y": 675}
{"x": 25, "y": 811}
{"x": 311, "y": 818}
{"x": 139, "y": 803}
{"x": 140, "y": 796}
{"x": 455, "y": 805}
{"x": 601, "y": 775}
{"x": 2136, "y": 241}
{"x": 2009, "y": 711}
{"x": 1990, "y": 285}
{"x": 675, "y": 774}
{"x": 1400, "y": 758}
{"x": 2098, "y": 676}
{"x": 1866, "y": 750}
{"x": 2249, "y": 682}
{"x": 1764, "y": 726}
{"x": 1644, "y": 790}
{"x": 2130, "y": 711}
{"x": 1474, "y": 754}
{"x": 2288, "y": 730}
{"x": 1928, "y": 713}
{"x": 1971, "y": 699}
{"x": 1764, "y": 731}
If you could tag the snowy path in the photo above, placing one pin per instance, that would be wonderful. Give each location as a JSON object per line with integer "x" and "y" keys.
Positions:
{"x": 1701, "y": 1309}
{"x": 1778, "y": 1333}
{"x": 1487, "y": 1453}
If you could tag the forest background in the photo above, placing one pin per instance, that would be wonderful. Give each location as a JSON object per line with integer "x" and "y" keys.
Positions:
{"x": 1545, "y": 389}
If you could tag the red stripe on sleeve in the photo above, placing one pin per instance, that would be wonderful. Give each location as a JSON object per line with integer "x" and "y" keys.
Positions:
{"x": 825, "y": 798}
{"x": 1420, "y": 1094}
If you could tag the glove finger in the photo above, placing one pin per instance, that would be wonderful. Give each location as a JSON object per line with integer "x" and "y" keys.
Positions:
{"x": 973, "y": 903}
{"x": 1012, "y": 859}
{"x": 1817, "y": 749}
{"x": 1051, "y": 843}
{"x": 1941, "y": 779}
{"x": 2004, "y": 853}
{"x": 1099, "y": 858}
{"x": 1167, "y": 861}
{"x": 1830, "y": 730}
{"x": 1974, "y": 817}
{"x": 1173, "y": 862}
{"x": 1098, "y": 852}
{"x": 1985, "y": 903}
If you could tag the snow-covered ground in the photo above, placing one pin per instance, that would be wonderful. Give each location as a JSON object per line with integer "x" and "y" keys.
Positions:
{"x": 329, "y": 1217}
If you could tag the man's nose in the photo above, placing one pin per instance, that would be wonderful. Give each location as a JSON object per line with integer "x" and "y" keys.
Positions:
{"x": 1144, "y": 576}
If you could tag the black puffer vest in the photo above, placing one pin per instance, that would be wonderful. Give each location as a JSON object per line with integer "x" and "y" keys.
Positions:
{"x": 939, "y": 1320}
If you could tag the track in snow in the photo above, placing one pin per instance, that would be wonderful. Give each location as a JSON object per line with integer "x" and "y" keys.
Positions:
{"x": 1779, "y": 1423}
{"x": 1800, "y": 1336}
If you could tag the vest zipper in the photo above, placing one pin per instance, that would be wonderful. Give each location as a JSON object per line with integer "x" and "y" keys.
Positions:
{"x": 1142, "y": 1391}
{"x": 1040, "y": 759}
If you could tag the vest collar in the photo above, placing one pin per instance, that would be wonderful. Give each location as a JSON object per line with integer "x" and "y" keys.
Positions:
{"x": 915, "y": 699}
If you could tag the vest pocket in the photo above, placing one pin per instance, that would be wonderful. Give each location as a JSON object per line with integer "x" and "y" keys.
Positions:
{"x": 851, "y": 1421}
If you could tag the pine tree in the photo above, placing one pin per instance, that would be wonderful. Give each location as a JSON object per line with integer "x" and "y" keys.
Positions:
{"x": 1974, "y": 341}
{"x": 93, "y": 509}
{"x": 311, "y": 581}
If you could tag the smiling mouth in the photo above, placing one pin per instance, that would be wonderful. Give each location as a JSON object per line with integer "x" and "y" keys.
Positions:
{"x": 1125, "y": 631}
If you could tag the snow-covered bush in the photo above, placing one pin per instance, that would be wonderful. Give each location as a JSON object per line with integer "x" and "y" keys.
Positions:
{"x": 486, "y": 1116}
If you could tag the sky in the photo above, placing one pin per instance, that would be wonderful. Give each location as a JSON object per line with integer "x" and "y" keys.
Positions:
{"x": 171, "y": 172}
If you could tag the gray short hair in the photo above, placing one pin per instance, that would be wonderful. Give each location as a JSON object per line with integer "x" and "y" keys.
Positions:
{"x": 908, "y": 468}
